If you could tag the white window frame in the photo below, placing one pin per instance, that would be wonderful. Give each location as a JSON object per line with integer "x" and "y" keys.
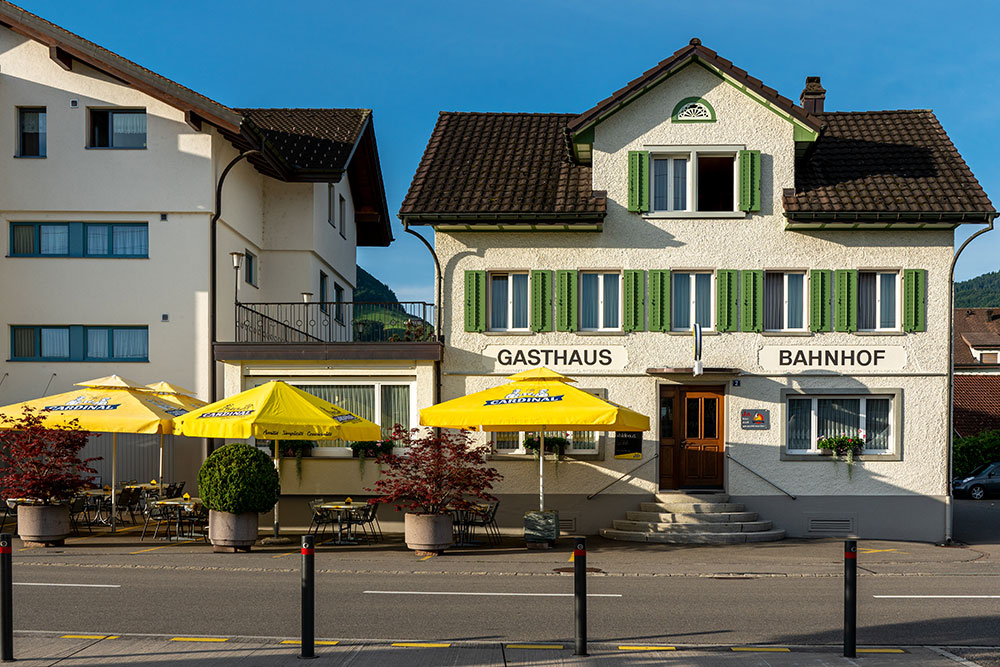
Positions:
{"x": 862, "y": 421}
{"x": 878, "y": 299}
{"x": 331, "y": 198}
{"x": 510, "y": 299}
{"x": 600, "y": 298}
{"x": 711, "y": 297}
{"x": 571, "y": 450}
{"x": 691, "y": 153}
{"x": 784, "y": 287}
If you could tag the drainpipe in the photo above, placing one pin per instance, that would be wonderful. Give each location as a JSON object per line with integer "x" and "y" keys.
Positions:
{"x": 949, "y": 508}
{"x": 439, "y": 279}
{"x": 212, "y": 268}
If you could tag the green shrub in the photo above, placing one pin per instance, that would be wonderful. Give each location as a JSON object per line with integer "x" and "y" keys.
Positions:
{"x": 975, "y": 450}
{"x": 238, "y": 478}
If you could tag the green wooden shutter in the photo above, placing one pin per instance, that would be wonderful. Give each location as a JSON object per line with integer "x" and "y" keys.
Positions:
{"x": 726, "y": 289}
{"x": 845, "y": 301}
{"x": 635, "y": 301}
{"x": 659, "y": 300}
{"x": 541, "y": 301}
{"x": 914, "y": 298}
{"x": 820, "y": 317}
{"x": 752, "y": 315}
{"x": 638, "y": 181}
{"x": 475, "y": 301}
{"x": 749, "y": 180}
{"x": 566, "y": 315}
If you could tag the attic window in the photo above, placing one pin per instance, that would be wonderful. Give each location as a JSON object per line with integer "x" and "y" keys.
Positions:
{"x": 988, "y": 357}
{"x": 693, "y": 110}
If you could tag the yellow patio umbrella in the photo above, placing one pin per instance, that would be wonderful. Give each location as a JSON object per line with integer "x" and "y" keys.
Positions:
{"x": 536, "y": 400}
{"x": 183, "y": 399}
{"x": 275, "y": 411}
{"x": 110, "y": 404}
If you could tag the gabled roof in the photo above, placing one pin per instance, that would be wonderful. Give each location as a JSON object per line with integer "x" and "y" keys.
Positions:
{"x": 885, "y": 166}
{"x": 301, "y": 145}
{"x": 977, "y": 407}
{"x": 486, "y": 167}
{"x": 976, "y": 327}
{"x": 693, "y": 52}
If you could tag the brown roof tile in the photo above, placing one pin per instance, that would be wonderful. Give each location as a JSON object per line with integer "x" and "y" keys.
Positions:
{"x": 975, "y": 327}
{"x": 309, "y": 139}
{"x": 977, "y": 406}
{"x": 501, "y": 164}
{"x": 890, "y": 162}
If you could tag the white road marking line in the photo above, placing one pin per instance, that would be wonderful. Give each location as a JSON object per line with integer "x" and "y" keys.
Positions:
{"x": 535, "y": 595}
{"x": 938, "y": 597}
{"x": 24, "y": 583}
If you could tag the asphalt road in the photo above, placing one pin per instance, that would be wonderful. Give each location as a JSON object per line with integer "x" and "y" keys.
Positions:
{"x": 682, "y": 610}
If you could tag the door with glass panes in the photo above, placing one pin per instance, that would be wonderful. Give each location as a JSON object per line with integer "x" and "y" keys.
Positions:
{"x": 691, "y": 437}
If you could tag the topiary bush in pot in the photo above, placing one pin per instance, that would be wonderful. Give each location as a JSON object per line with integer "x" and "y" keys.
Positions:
{"x": 237, "y": 482}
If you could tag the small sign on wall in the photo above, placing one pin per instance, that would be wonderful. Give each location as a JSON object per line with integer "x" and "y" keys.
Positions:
{"x": 755, "y": 420}
{"x": 628, "y": 445}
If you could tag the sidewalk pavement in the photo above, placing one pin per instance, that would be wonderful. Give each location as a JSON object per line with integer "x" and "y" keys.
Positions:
{"x": 65, "y": 650}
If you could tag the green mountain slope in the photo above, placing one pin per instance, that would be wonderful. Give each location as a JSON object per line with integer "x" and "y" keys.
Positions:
{"x": 979, "y": 292}
{"x": 379, "y": 316}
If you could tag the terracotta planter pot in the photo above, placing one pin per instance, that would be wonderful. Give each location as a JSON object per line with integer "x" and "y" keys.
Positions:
{"x": 428, "y": 532}
{"x": 232, "y": 532}
{"x": 46, "y": 525}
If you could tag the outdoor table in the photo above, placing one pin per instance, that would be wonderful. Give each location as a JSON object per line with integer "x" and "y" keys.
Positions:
{"x": 463, "y": 520}
{"x": 341, "y": 509}
{"x": 94, "y": 498}
{"x": 178, "y": 505}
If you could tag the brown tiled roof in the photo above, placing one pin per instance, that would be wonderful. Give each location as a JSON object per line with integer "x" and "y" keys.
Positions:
{"x": 977, "y": 403}
{"x": 680, "y": 58}
{"x": 500, "y": 164}
{"x": 975, "y": 327}
{"x": 309, "y": 139}
{"x": 895, "y": 163}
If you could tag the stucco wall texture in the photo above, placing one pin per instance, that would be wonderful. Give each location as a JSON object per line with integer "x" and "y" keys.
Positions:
{"x": 754, "y": 241}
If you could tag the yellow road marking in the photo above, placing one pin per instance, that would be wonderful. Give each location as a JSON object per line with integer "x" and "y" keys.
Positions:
{"x": 571, "y": 557}
{"x": 647, "y": 648}
{"x": 199, "y": 639}
{"x": 87, "y": 637}
{"x": 420, "y": 645}
{"x": 881, "y": 650}
{"x": 162, "y": 546}
{"x": 426, "y": 557}
{"x": 318, "y": 643}
{"x": 285, "y": 554}
{"x": 534, "y": 646}
{"x": 89, "y": 537}
{"x": 771, "y": 649}
{"x": 880, "y": 551}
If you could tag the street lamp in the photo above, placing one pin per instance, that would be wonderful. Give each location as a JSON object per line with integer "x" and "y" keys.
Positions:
{"x": 237, "y": 263}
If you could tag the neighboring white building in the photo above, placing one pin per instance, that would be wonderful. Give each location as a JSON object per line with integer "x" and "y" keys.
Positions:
{"x": 107, "y": 205}
{"x": 812, "y": 247}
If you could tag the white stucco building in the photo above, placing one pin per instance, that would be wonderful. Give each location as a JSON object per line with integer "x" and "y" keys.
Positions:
{"x": 113, "y": 262}
{"x": 811, "y": 247}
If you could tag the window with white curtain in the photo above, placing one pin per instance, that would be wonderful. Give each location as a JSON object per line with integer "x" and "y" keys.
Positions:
{"x": 695, "y": 180}
{"x": 691, "y": 300}
{"x": 581, "y": 442}
{"x": 80, "y": 239}
{"x": 809, "y": 418}
{"x": 80, "y": 343}
{"x": 55, "y": 342}
{"x": 117, "y": 128}
{"x": 53, "y": 239}
{"x": 600, "y": 301}
{"x": 385, "y": 403}
{"x": 508, "y": 301}
{"x": 878, "y": 300}
{"x": 784, "y": 301}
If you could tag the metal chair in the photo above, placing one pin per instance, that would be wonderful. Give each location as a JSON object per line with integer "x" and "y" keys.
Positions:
{"x": 487, "y": 518}
{"x": 321, "y": 518}
{"x": 78, "y": 511}
{"x": 161, "y": 514}
{"x": 178, "y": 490}
{"x": 196, "y": 518}
{"x": 366, "y": 519}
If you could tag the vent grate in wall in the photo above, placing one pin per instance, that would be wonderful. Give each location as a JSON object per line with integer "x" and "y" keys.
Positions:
{"x": 842, "y": 526}
{"x": 567, "y": 526}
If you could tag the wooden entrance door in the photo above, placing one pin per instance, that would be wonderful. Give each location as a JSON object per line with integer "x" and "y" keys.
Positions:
{"x": 691, "y": 437}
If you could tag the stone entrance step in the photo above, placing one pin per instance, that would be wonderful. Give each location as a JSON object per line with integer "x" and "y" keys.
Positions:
{"x": 688, "y": 497}
{"x": 670, "y": 517}
{"x": 732, "y": 527}
{"x": 691, "y": 508}
{"x": 693, "y": 538}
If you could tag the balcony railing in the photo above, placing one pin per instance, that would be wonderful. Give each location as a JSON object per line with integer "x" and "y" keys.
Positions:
{"x": 335, "y": 322}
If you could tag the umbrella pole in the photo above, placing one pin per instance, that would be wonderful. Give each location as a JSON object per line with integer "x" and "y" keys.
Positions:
{"x": 114, "y": 477}
{"x": 541, "y": 471}
{"x": 160, "y": 478}
{"x": 277, "y": 466}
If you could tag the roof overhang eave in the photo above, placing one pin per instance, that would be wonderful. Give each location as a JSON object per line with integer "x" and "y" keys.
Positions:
{"x": 820, "y": 219}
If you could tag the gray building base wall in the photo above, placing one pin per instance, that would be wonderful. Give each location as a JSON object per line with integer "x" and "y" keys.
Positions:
{"x": 910, "y": 518}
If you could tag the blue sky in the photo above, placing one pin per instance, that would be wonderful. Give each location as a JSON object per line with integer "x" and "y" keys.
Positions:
{"x": 408, "y": 60}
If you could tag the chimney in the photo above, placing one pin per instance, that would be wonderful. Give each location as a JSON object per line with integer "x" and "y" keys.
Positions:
{"x": 813, "y": 95}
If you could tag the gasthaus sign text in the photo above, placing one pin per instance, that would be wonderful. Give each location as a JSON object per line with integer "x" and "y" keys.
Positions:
{"x": 832, "y": 357}
{"x": 558, "y": 357}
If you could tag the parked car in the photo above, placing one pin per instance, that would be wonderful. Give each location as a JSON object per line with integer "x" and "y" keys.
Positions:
{"x": 981, "y": 482}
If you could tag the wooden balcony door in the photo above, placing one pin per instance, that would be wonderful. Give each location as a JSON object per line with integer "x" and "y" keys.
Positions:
{"x": 691, "y": 437}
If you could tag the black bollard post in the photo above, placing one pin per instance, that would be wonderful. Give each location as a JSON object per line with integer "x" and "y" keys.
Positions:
{"x": 6, "y": 598}
{"x": 580, "y": 594}
{"x": 850, "y": 598}
{"x": 308, "y": 643}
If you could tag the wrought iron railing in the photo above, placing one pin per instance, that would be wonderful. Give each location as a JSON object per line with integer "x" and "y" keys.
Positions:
{"x": 335, "y": 322}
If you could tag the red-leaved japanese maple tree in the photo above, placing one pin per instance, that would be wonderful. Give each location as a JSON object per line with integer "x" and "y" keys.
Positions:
{"x": 439, "y": 473}
{"x": 42, "y": 463}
